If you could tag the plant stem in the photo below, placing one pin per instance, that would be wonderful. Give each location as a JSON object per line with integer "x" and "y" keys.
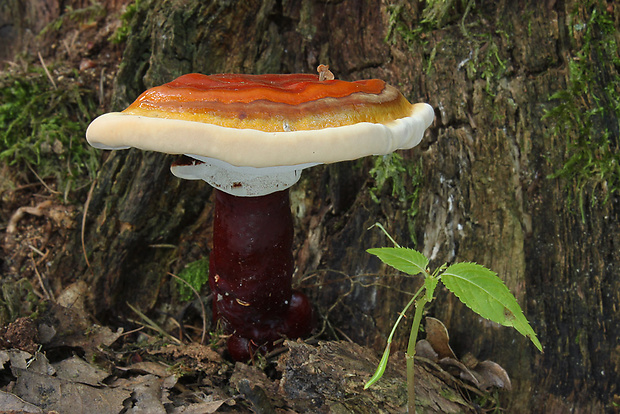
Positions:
{"x": 413, "y": 336}
{"x": 384, "y": 359}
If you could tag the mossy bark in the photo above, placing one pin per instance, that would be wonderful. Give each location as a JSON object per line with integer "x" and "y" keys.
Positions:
{"x": 22, "y": 23}
{"x": 489, "y": 71}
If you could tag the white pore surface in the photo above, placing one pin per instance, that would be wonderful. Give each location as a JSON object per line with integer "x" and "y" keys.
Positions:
{"x": 240, "y": 181}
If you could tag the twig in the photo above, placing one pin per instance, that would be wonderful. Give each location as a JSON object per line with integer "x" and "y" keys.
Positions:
{"x": 25, "y": 186}
{"x": 41, "y": 180}
{"x": 48, "y": 295}
{"x": 162, "y": 246}
{"x": 202, "y": 305}
{"x": 352, "y": 278}
{"x": 133, "y": 331}
{"x": 101, "y": 86}
{"x": 43, "y": 255}
{"x": 275, "y": 352}
{"x": 344, "y": 334}
{"x": 47, "y": 72}
{"x": 154, "y": 326}
{"x": 455, "y": 382}
{"x": 38, "y": 211}
{"x": 66, "y": 45}
{"x": 37, "y": 251}
{"x": 86, "y": 205}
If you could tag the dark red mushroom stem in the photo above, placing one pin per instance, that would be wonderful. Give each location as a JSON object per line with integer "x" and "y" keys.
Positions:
{"x": 251, "y": 268}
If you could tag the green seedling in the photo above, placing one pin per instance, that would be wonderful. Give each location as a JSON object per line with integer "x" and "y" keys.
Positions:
{"x": 477, "y": 287}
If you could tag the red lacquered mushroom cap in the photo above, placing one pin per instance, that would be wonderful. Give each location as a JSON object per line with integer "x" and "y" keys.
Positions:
{"x": 263, "y": 121}
{"x": 272, "y": 103}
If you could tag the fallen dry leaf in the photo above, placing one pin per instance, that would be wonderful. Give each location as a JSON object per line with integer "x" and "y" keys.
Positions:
{"x": 51, "y": 393}
{"x": 12, "y": 403}
{"x": 424, "y": 349}
{"x": 62, "y": 326}
{"x": 40, "y": 364}
{"x": 68, "y": 387}
{"x": 192, "y": 350}
{"x": 484, "y": 375}
{"x": 437, "y": 336}
{"x": 149, "y": 396}
{"x": 492, "y": 375}
{"x": 77, "y": 370}
{"x": 16, "y": 358}
{"x": 148, "y": 367}
{"x": 74, "y": 296}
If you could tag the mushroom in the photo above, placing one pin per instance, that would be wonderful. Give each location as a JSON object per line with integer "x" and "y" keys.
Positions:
{"x": 250, "y": 136}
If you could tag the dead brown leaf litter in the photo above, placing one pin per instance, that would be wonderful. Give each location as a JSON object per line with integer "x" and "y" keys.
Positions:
{"x": 483, "y": 375}
{"x": 74, "y": 366}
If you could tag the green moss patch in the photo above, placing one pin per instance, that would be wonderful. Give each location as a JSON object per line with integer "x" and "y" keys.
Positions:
{"x": 586, "y": 113}
{"x": 43, "y": 124}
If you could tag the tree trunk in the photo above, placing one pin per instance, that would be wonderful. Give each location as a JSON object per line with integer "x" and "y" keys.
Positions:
{"x": 489, "y": 69}
{"x": 22, "y": 22}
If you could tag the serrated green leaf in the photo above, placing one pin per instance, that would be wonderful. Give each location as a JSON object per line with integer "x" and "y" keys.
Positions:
{"x": 486, "y": 294}
{"x": 406, "y": 260}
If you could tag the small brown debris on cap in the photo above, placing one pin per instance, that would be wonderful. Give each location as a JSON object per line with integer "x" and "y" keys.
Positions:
{"x": 324, "y": 73}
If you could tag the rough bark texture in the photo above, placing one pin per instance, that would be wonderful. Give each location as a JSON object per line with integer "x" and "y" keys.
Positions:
{"x": 489, "y": 69}
{"x": 329, "y": 378}
{"x": 22, "y": 22}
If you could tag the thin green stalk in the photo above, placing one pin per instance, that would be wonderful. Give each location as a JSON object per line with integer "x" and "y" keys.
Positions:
{"x": 384, "y": 232}
{"x": 386, "y": 353}
{"x": 413, "y": 336}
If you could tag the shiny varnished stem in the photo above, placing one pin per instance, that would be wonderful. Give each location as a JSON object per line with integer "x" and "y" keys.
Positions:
{"x": 251, "y": 267}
